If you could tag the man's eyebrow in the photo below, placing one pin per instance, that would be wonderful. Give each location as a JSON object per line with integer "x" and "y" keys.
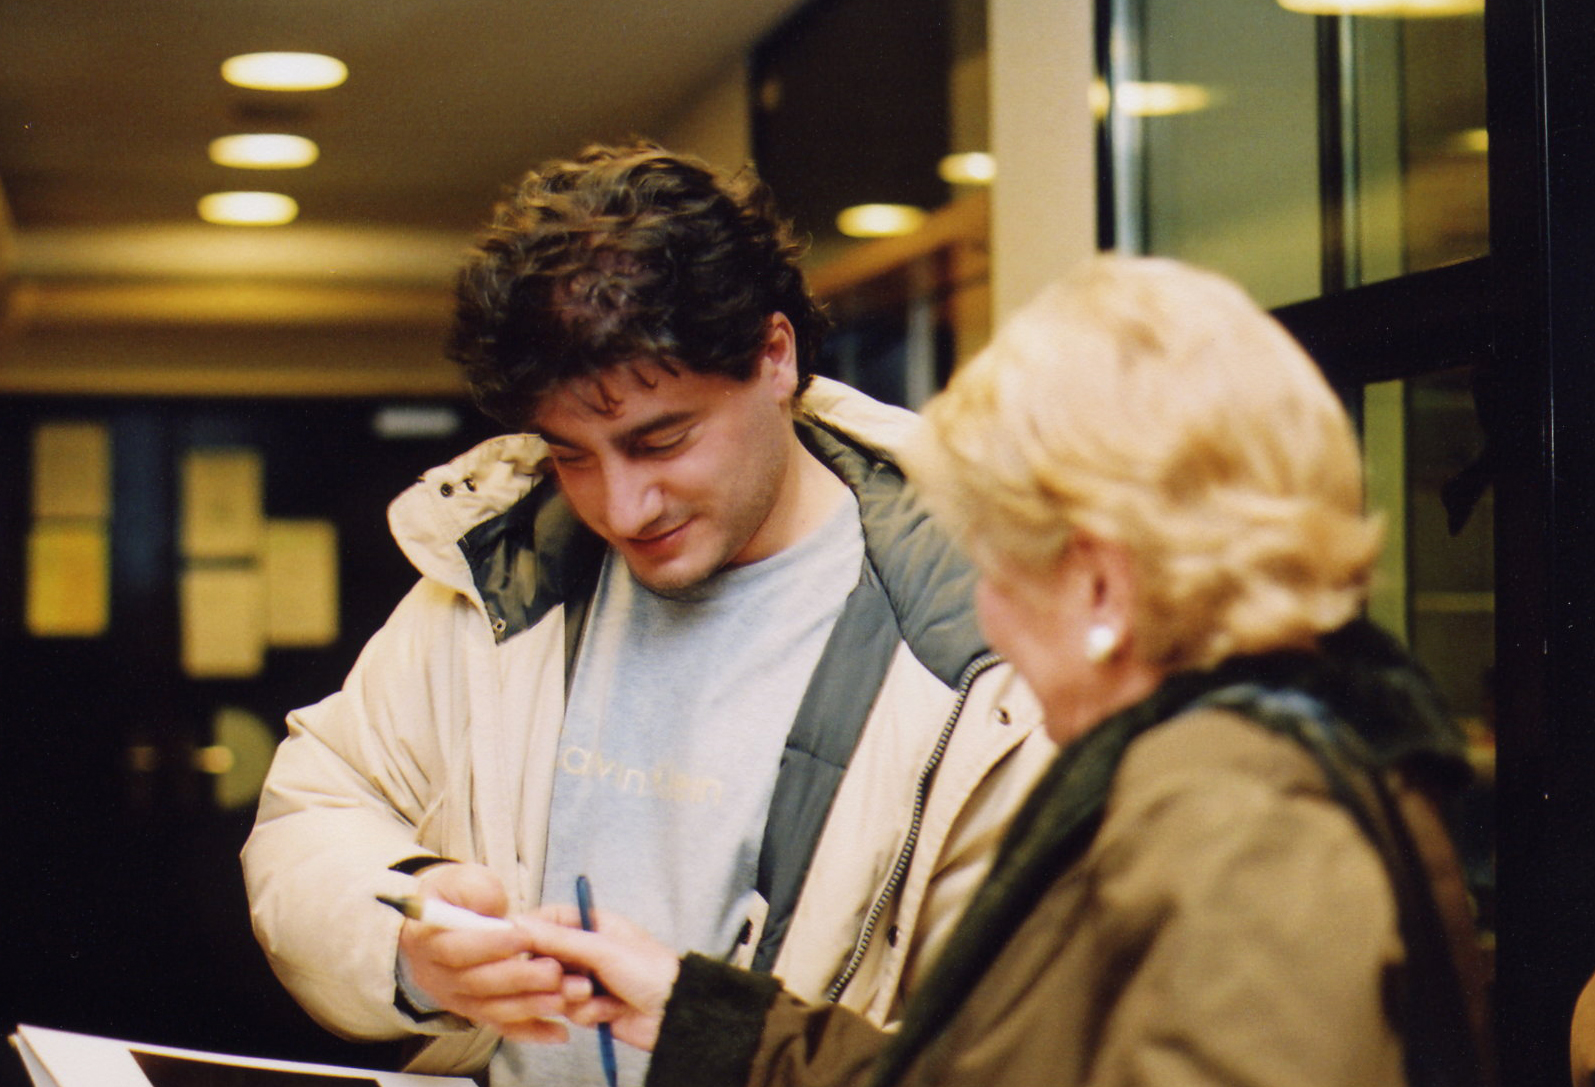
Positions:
{"x": 551, "y": 438}
{"x": 631, "y": 435}
{"x": 654, "y": 426}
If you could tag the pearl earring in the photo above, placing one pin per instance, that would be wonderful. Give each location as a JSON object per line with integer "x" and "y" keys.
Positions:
{"x": 1100, "y": 642}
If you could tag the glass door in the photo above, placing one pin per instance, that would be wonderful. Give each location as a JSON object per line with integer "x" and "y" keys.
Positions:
{"x": 1336, "y": 165}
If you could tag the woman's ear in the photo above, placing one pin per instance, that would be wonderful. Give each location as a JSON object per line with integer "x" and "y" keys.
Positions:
{"x": 1111, "y": 586}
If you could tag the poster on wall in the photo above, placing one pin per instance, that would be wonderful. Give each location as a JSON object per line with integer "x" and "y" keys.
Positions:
{"x": 223, "y": 621}
{"x": 301, "y": 564}
{"x": 72, "y": 471}
{"x": 67, "y": 588}
{"x": 222, "y": 504}
{"x": 222, "y": 588}
{"x": 68, "y": 592}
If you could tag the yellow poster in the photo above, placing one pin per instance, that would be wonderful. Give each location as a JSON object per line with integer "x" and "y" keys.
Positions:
{"x": 69, "y": 579}
{"x": 301, "y": 583}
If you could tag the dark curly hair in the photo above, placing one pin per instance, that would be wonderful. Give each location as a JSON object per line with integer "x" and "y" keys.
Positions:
{"x": 625, "y": 253}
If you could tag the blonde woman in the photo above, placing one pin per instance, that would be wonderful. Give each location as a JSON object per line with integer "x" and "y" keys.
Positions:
{"x": 1222, "y": 879}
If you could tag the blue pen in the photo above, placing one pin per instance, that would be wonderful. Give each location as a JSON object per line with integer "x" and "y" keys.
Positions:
{"x": 606, "y": 1037}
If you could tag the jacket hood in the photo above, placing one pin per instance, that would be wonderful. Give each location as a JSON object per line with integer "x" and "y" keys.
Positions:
{"x": 430, "y": 517}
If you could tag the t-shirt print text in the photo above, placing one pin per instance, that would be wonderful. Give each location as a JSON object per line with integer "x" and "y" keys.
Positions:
{"x": 661, "y": 782}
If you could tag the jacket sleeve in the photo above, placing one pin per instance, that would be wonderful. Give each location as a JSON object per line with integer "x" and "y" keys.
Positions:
{"x": 347, "y": 798}
{"x": 726, "y": 1027}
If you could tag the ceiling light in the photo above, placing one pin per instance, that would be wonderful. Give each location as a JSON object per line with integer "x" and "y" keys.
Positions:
{"x": 1410, "y": 9}
{"x": 248, "y": 208}
{"x": 1161, "y": 99}
{"x": 1099, "y": 98}
{"x": 264, "y": 151}
{"x": 1140, "y": 99}
{"x": 967, "y": 168}
{"x": 879, "y": 220}
{"x": 284, "y": 71}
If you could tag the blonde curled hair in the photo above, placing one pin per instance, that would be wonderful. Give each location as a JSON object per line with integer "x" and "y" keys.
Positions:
{"x": 1154, "y": 404}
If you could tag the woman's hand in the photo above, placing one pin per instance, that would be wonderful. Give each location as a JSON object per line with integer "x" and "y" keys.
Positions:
{"x": 637, "y": 970}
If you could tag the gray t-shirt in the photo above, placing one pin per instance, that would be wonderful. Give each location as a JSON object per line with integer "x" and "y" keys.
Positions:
{"x": 672, "y": 739}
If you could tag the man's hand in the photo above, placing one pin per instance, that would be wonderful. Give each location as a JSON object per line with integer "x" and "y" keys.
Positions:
{"x": 638, "y": 970}
{"x": 490, "y": 978}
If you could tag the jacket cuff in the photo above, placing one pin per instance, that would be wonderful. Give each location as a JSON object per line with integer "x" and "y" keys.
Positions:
{"x": 712, "y": 1025}
{"x": 408, "y": 998}
{"x": 408, "y": 1008}
{"x": 414, "y": 866}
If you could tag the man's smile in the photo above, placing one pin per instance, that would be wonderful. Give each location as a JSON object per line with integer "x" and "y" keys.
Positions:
{"x": 659, "y": 541}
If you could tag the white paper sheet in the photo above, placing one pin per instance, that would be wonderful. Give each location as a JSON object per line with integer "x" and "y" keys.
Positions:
{"x": 58, "y": 1058}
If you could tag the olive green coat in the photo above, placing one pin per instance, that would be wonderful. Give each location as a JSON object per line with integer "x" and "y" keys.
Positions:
{"x": 1215, "y": 916}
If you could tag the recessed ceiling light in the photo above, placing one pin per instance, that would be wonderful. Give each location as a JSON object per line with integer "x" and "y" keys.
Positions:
{"x": 264, "y": 151}
{"x": 248, "y": 208}
{"x": 1410, "y": 9}
{"x": 1161, "y": 99}
{"x": 284, "y": 71}
{"x": 1099, "y": 98}
{"x": 968, "y": 168}
{"x": 1135, "y": 98}
{"x": 879, "y": 220}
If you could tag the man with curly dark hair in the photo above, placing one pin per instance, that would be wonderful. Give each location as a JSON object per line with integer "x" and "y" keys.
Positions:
{"x": 685, "y": 632}
{"x": 625, "y": 254}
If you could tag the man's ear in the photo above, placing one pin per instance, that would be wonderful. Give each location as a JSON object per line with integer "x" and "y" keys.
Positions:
{"x": 778, "y": 360}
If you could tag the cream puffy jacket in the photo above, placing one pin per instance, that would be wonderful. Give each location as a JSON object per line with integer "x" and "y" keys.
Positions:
{"x": 911, "y": 750}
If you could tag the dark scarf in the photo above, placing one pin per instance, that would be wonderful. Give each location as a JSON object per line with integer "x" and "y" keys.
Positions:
{"x": 1383, "y": 713}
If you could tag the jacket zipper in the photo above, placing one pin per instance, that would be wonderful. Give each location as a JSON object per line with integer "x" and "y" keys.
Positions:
{"x": 977, "y": 667}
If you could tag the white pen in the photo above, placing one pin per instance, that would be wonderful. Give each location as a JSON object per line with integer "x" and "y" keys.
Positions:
{"x": 435, "y": 911}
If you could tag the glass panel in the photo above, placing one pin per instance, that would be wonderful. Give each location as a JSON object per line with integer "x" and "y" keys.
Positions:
{"x": 1437, "y": 585}
{"x": 858, "y": 109}
{"x": 1415, "y": 149}
{"x": 909, "y": 298}
{"x": 1303, "y": 150}
{"x": 1446, "y": 188}
{"x": 1217, "y": 101}
{"x": 1295, "y": 152}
